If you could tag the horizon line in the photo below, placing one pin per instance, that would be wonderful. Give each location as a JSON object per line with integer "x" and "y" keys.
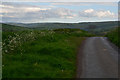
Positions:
{"x": 61, "y": 22}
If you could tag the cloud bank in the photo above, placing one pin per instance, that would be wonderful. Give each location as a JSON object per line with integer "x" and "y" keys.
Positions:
{"x": 12, "y": 12}
{"x": 90, "y": 13}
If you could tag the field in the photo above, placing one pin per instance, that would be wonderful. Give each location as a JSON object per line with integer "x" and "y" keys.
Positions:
{"x": 29, "y": 53}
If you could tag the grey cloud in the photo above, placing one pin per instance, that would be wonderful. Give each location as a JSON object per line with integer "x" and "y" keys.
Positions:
{"x": 25, "y": 13}
{"x": 59, "y": 0}
{"x": 91, "y": 13}
{"x": 52, "y": 13}
{"x": 86, "y": 3}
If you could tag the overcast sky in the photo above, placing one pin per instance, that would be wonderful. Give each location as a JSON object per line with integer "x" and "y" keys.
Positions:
{"x": 68, "y": 12}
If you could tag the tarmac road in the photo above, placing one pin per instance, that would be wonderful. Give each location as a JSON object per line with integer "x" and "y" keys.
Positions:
{"x": 99, "y": 59}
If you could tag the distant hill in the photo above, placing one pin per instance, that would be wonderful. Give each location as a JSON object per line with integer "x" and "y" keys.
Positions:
{"x": 94, "y": 27}
{"x": 8, "y": 27}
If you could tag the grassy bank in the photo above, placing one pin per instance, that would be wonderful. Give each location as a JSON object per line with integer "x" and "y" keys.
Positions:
{"x": 113, "y": 36}
{"x": 41, "y": 54}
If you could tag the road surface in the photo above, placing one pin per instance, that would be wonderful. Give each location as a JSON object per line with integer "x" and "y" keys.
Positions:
{"x": 99, "y": 59}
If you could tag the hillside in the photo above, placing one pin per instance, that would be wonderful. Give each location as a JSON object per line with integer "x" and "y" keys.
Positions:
{"x": 7, "y": 27}
{"x": 99, "y": 28}
{"x": 40, "y": 53}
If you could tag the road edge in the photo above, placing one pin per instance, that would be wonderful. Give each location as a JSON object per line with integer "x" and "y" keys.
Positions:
{"x": 79, "y": 58}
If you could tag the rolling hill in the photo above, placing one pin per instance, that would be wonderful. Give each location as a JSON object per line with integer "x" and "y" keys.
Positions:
{"x": 99, "y": 28}
{"x": 7, "y": 27}
{"x": 40, "y": 53}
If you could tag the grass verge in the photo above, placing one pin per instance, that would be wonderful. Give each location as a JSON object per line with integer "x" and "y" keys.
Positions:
{"x": 41, "y": 54}
{"x": 113, "y": 36}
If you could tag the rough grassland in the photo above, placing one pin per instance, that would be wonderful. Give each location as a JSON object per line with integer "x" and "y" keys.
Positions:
{"x": 41, "y": 54}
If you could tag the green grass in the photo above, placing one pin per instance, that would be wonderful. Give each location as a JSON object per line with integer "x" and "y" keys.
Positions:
{"x": 114, "y": 36}
{"x": 41, "y": 54}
